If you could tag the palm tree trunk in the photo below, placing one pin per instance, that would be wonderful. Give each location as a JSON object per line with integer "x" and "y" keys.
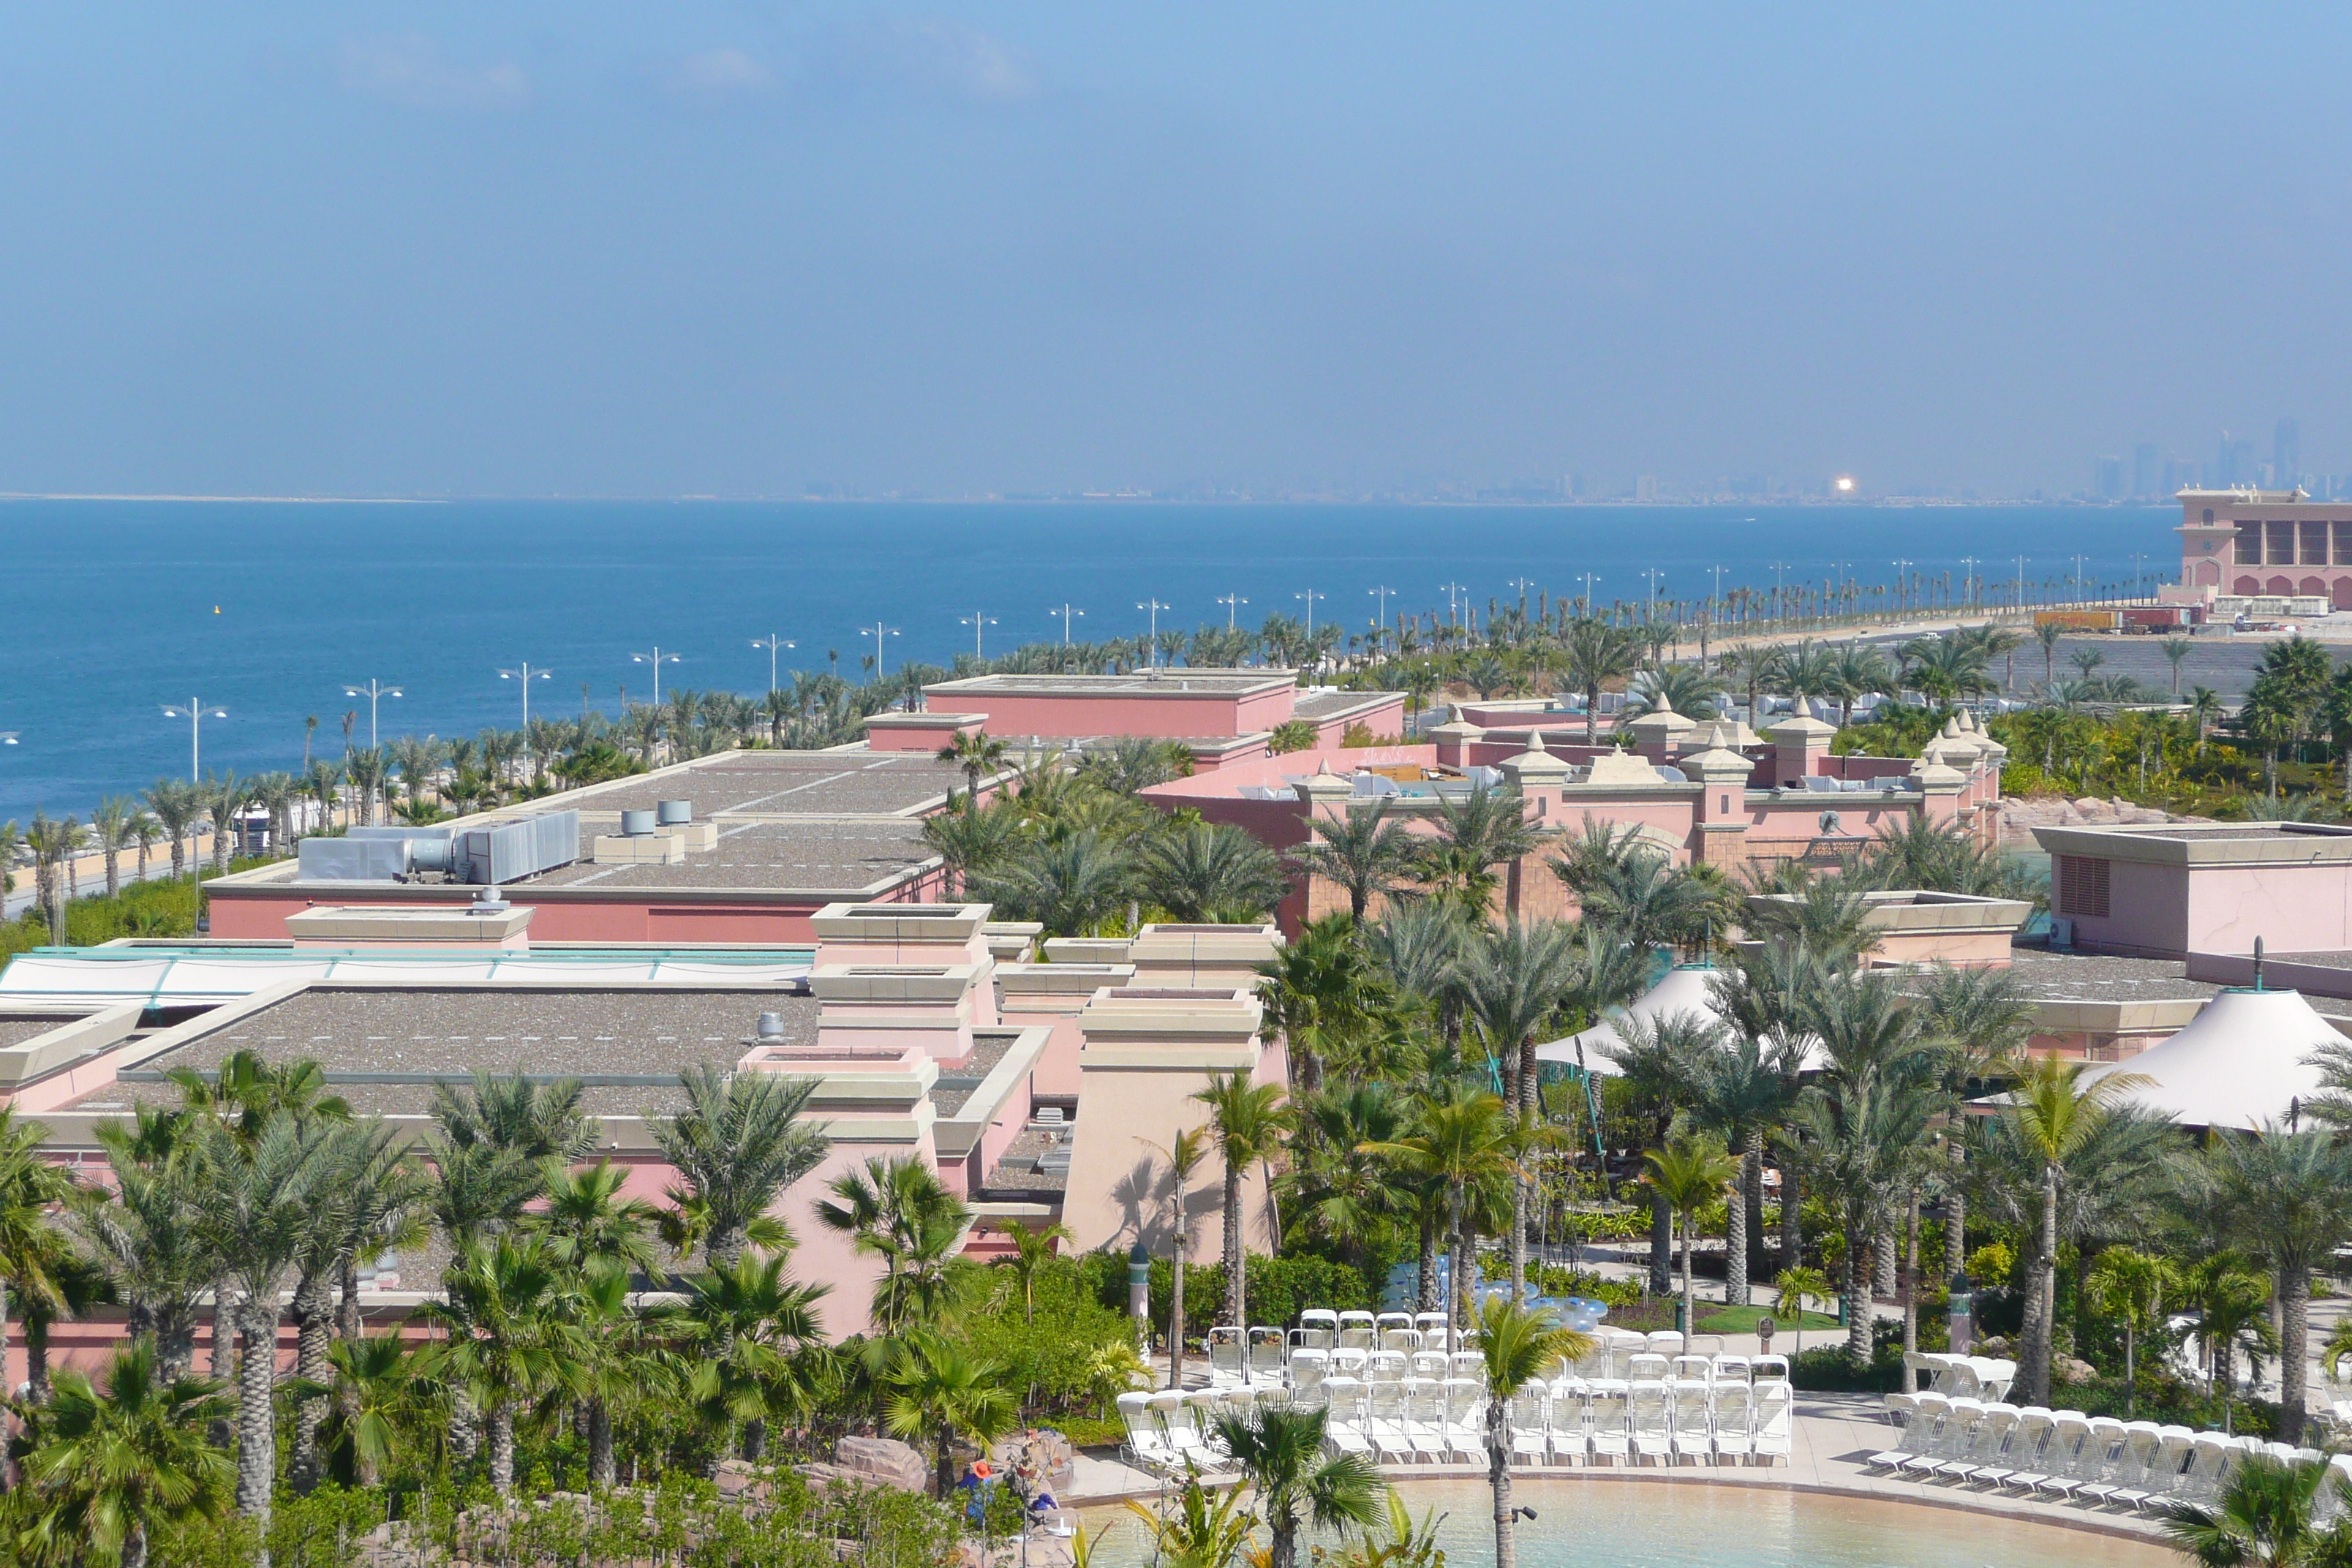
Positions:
{"x": 1457, "y": 1268}
{"x": 1882, "y": 1254}
{"x": 1690, "y": 1313}
{"x": 2293, "y": 1295}
{"x": 1735, "y": 1241}
{"x": 1752, "y": 1190}
{"x": 1908, "y": 1287}
{"x": 2034, "y": 1340}
{"x": 347, "y": 1308}
{"x": 1793, "y": 1229}
{"x": 1175, "y": 1308}
{"x": 313, "y": 1324}
{"x": 256, "y": 1419}
{"x": 134, "y": 1547}
{"x": 502, "y": 1440}
{"x": 943, "y": 1466}
{"x": 1857, "y": 1300}
{"x": 1424, "y": 1295}
{"x": 1498, "y": 1477}
{"x": 1236, "y": 1299}
{"x": 1662, "y": 1245}
{"x": 37, "y": 1357}
{"x": 601, "y": 1470}
{"x": 223, "y": 1356}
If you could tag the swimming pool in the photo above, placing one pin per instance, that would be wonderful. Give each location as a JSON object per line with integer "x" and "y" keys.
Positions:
{"x": 1604, "y": 1523}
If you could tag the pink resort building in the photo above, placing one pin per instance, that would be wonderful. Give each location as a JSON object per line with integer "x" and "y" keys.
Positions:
{"x": 1224, "y": 716}
{"x": 2274, "y": 544}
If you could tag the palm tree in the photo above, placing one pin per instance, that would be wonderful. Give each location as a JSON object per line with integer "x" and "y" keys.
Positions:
{"x": 1486, "y": 829}
{"x": 1204, "y": 1529}
{"x": 257, "y": 1216}
{"x": 1515, "y": 1347}
{"x": 1279, "y": 1454}
{"x": 1592, "y": 654}
{"x": 510, "y": 1339}
{"x": 1860, "y": 1136}
{"x": 1334, "y": 1189}
{"x": 376, "y": 1399}
{"x": 224, "y": 797}
{"x": 1470, "y": 1146}
{"x": 2231, "y": 1301}
{"x": 1691, "y": 1171}
{"x": 737, "y": 1145}
{"x": 149, "y": 1238}
{"x": 745, "y": 1326}
{"x": 972, "y": 843}
{"x": 1247, "y": 1125}
{"x": 979, "y": 754}
{"x": 1070, "y": 885}
{"x": 1325, "y": 995}
{"x": 1212, "y": 872}
{"x": 589, "y": 1226}
{"x": 2176, "y": 651}
{"x": 116, "y": 1465}
{"x": 2047, "y": 634}
{"x": 899, "y": 1211}
{"x": 2290, "y": 1192}
{"x": 173, "y": 804}
{"x": 1363, "y": 851}
{"x": 1516, "y": 982}
{"x": 2204, "y": 707}
{"x": 1184, "y": 1153}
{"x": 1031, "y": 1247}
{"x": 30, "y": 1187}
{"x": 2054, "y": 1114}
{"x": 1798, "y": 1286}
{"x": 2263, "y": 1519}
{"x": 937, "y": 1388}
{"x": 1689, "y": 690}
{"x": 110, "y": 825}
{"x": 2129, "y": 1286}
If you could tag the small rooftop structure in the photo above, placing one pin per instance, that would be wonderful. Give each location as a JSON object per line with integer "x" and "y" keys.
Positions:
{"x": 1921, "y": 926}
{"x": 2170, "y": 890}
{"x": 1222, "y": 716}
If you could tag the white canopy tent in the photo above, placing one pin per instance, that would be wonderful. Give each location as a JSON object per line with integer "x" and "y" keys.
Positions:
{"x": 2242, "y": 1061}
{"x": 1685, "y": 988}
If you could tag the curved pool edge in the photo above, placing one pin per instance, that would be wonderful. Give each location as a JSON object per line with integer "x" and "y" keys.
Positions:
{"x": 2145, "y": 1534}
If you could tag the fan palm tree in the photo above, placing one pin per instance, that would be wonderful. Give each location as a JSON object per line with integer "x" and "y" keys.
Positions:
{"x": 744, "y": 1325}
{"x": 1295, "y": 1483}
{"x": 1247, "y": 1125}
{"x": 1333, "y": 1189}
{"x": 936, "y": 1388}
{"x": 589, "y": 1224}
{"x": 31, "y": 1187}
{"x": 2176, "y": 651}
{"x": 117, "y": 1463}
{"x": 1362, "y": 851}
{"x": 2054, "y": 1112}
{"x": 1691, "y": 1171}
{"x": 738, "y": 1144}
{"x": 2265, "y": 1518}
{"x": 1517, "y": 1345}
{"x": 1325, "y": 995}
{"x": 511, "y": 1339}
{"x": 899, "y": 1211}
{"x": 1212, "y": 872}
{"x": 376, "y": 1399}
{"x": 1069, "y": 885}
{"x": 1031, "y": 1247}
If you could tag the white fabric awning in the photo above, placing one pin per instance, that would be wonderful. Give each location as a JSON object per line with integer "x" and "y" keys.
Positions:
{"x": 2243, "y": 1060}
{"x": 1687, "y": 988}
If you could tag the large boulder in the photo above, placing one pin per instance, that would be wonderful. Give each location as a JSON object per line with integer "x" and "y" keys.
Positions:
{"x": 1041, "y": 1453}
{"x": 883, "y": 1460}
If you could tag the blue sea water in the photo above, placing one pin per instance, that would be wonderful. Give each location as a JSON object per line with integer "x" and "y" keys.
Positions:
{"x": 268, "y": 609}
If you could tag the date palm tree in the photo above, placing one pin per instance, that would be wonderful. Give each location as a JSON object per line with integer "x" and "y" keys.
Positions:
{"x": 737, "y": 1145}
{"x": 32, "y": 1264}
{"x": 120, "y": 1462}
{"x": 2291, "y": 1193}
{"x": 1476, "y": 835}
{"x": 1360, "y": 851}
{"x": 936, "y": 1388}
{"x": 1184, "y": 1153}
{"x": 224, "y": 797}
{"x": 1516, "y": 982}
{"x": 109, "y": 825}
{"x": 1070, "y": 885}
{"x": 1248, "y": 1123}
{"x": 1293, "y": 1482}
{"x": 979, "y": 756}
{"x": 149, "y": 1238}
{"x": 174, "y": 801}
{"x": 1212, "y": 872}
{"x": 1517, "y": 1346}
{"x": 1470, "y": 1146}
{"x": 1593, "y": 653}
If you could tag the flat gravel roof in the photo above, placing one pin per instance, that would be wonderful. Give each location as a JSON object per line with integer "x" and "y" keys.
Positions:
{"x": 871, "y": 784}
{"x": 1178, "y": 681}
{"x": 818, "y": 854}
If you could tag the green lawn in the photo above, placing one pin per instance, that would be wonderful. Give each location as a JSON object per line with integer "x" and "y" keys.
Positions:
{"x": 1724, "y": 1320}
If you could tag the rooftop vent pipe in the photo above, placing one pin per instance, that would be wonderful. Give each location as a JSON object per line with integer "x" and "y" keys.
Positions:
{"x": 636, "y": 824}
{"x": 771, "y": 1027}
{"x": 488, "y": 902}
{"x": 675, "y": 813}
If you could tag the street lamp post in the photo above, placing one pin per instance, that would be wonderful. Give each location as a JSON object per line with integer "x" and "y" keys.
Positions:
{"x": 1653, "y": 573}
{"x": 1900, "y": 566}
{"x": 1970, "y": 562}
{"x": 978, "y": 623}
{"x": 1067, "y": 615}
{"x": 1589, "y": 578}
{"x": 656, "y": 659}
{"x": 772, "y": 642}
{"x": 526, "y": 673}
{"x": 1232, "y": 603}
{"x": 372, "y": 691}
{"x": 1380, "y": 620}
{"x": 877, "y": 631}
{"x": 195, "y": 711}
{"x": 1310, "y": 597}
{"x": 1152, "y": 649}
{"x": 2020, "y": 582}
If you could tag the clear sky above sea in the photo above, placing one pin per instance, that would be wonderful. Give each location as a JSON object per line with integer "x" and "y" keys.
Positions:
{"x": 592, "y": 248}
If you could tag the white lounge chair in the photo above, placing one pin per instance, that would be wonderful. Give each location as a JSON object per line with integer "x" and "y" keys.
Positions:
{"x": 1996, "y": 1376}
{"x": 2208, "y": 1456}
{"x": 1920, "y": 1427}
{"x": 1648, "y": 1420}
{"x": 1406, "y": 1341}
{"x": 1951, "y": 1440}
{"x": 2156, "y": 1490}
{"x": 1530, "y": 1424}
{"x": 1146, "y": 1446}
{"x": 2125, "y": 1480}
{"x": 1735, "y": 1415}
{"x": 1349, "y": 1361}
{"x": 1386, "y": 1421}
{"x": 1569, "y": 1435}
{"x": 2062, "y": 1454}
{"x": 1769, "y": 1368}
{"x": 1776, "y": 1423}
{"x": 1385, "y": 1366}
{"x": 1228, "y": 1357}
{"x": 1986, "y": 1445}
{"x": 1356, "y": 1330}
{"x": 1692, "y": 1409}
{"x": 1424, "y": 1418}
{"x": 1647, "y": 1367}
{"x": 1465, "y": 1417}
{"x": 1344, "y": 1421}
{"x": 1699, "y": 1369}
{"x": 1624, "y": 1345}
{"x": 1431, "y": 1363}
{"x": 1385, "y": 1321}
{"x": 1307, "y": 1368}
{"x": 2022, "y": 1453}
{"x": 1608, "y": 1421}
{"x": 1732, "y": 1369}
{"x": 1265, "y": 1353}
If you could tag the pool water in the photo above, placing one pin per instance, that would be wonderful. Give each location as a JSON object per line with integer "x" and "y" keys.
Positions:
{"x": 1603, "y": 1523}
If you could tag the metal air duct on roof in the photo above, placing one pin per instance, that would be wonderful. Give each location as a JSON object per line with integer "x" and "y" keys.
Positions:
{"x": 674, "y": 813}
{"x": 636, "y": 824}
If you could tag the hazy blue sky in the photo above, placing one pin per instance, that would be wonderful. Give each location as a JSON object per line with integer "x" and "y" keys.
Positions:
{"x": 692, "y": 247}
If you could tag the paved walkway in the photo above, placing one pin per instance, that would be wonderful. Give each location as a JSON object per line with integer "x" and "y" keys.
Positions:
{"x": 1833, "y": 1433}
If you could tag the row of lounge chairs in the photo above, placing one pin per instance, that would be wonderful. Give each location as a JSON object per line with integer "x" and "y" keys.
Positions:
{"x": 1716, "y": 1411}
{"x": 2065, "y": 1454}
{"x": 1392, "y": 1346}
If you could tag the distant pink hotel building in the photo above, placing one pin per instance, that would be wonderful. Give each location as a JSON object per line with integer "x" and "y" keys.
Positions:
{"x": 2272, "y": 544}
